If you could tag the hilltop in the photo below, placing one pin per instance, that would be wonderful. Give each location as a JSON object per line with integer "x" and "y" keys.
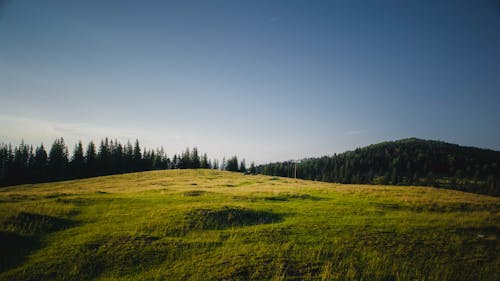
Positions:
{"x": 405, "y": 162}
{"x": 214, "y": 225}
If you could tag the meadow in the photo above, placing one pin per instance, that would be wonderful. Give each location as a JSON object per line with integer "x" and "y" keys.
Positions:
{"x": 217, "y": 225}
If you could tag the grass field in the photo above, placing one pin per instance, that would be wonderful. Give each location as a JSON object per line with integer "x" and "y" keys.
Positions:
{"x": 214, "y": 225}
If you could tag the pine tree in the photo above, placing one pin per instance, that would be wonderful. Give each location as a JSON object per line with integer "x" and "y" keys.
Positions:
{"x": 58, "y": 160}
{"x": 232, "y": 164}
{"x": 19, "y": 168}
{"x": 128, "y": 157}
{"x": 185, "y": 161}
{"x": 137, "y": 157}
{"x": 175, "y": 162}
{"x": 78, "y": 162}
{"x": 195, "y": 159}
{"x": 204, "y": 162}
{"x": 253, "y": 170}
{"x": 117, "y": 158}
{"x": 103, "y": 157}
{"x": 243, "y": 167}
{"x": 40, "y": 163}
{"x": 91, "y": 159}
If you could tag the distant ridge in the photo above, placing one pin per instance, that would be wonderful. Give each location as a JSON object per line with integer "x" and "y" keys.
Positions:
{"x": 410, "y": 161}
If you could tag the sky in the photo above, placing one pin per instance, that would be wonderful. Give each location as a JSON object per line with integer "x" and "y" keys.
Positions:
{"x": 264, "y": 80}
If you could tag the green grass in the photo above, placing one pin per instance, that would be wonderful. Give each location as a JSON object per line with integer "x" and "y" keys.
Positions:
{"x": 213, "y": 225}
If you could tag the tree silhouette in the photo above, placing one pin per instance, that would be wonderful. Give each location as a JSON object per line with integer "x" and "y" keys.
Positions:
{"x": 243, "y": 167}
{"x": 58, "y": 160}
{"x": 77, "y": 164}
{"x": 91, "y": 160}
{"x": 253, "y": 170}
{"x": 137, "y": 157}
{"x": 232, "y": 164}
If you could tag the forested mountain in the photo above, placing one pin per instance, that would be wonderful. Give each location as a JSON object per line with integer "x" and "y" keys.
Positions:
{"x": 28, "y": 164}
{"x": 404, "y": 162}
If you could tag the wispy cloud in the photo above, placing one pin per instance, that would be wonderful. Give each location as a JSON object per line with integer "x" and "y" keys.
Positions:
{"x": 34, "y": 131}
{"x": 355, "y": 132}
{"x": 272, "y": 20}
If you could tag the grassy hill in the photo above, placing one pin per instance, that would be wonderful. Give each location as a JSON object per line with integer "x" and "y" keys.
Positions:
{"x": 214, "y": 225}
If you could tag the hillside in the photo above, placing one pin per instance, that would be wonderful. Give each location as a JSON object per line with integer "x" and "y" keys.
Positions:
{"x": 404, "y": 162}
{"x": 215, "y": 225}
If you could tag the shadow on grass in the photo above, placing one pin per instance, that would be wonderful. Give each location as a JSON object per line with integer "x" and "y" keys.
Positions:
{"x": 22, "y": 234}
{"x": 226, "y": 217}
{"x": 17, "y": 198}
{"x": 195, "y": 193}
{"x": 14, "y": 248}
{"x": 291, "y": 196}
{"x": 217, "y": 219}
{"x": 35, "y": 224}
{"x": 116, "y": 255}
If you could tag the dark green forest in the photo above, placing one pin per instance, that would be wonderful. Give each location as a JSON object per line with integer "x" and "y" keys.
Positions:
{"x": 28, "y": 164}
{"x": 404, "y": 162}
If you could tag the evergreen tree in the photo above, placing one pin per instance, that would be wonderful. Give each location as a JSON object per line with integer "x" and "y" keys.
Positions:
{"x": 137, "y": 157}
{"x": 78, "y": 162}
{"x": 253, "y": 170}
{"x": 19, "y": 167}
{"x": 6, "y": 163}
{"x": 128, "y": 157}
{"x": 40, "y": 163}
{"x": 175, "y": 162}
{"x": 243, "y": 167}
{"x": 103, "y": 157}
{"x": 58, "y": 160}
{"x": 232, "y": 164}
{"x": 91, "y": 160}
{"x": 204, "y": 162}
{"x": 185, "y": 161}
{"x": 195, "y": 159}
{"x": 117, "y": 158}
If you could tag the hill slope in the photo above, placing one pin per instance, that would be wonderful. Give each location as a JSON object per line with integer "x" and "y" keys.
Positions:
{"x": 213, "y": 225}
{"x": 404, "y": 162}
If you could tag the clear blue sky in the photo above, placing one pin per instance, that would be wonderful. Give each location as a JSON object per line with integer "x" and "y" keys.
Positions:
{"x": 265, "y": 80}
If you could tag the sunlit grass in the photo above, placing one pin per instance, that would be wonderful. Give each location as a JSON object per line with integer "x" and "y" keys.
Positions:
{"x": 213, "y": 225}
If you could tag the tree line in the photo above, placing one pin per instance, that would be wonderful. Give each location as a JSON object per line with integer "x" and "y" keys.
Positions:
{"x": 405, "y": 162}
{"x": 29, "y": 164}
